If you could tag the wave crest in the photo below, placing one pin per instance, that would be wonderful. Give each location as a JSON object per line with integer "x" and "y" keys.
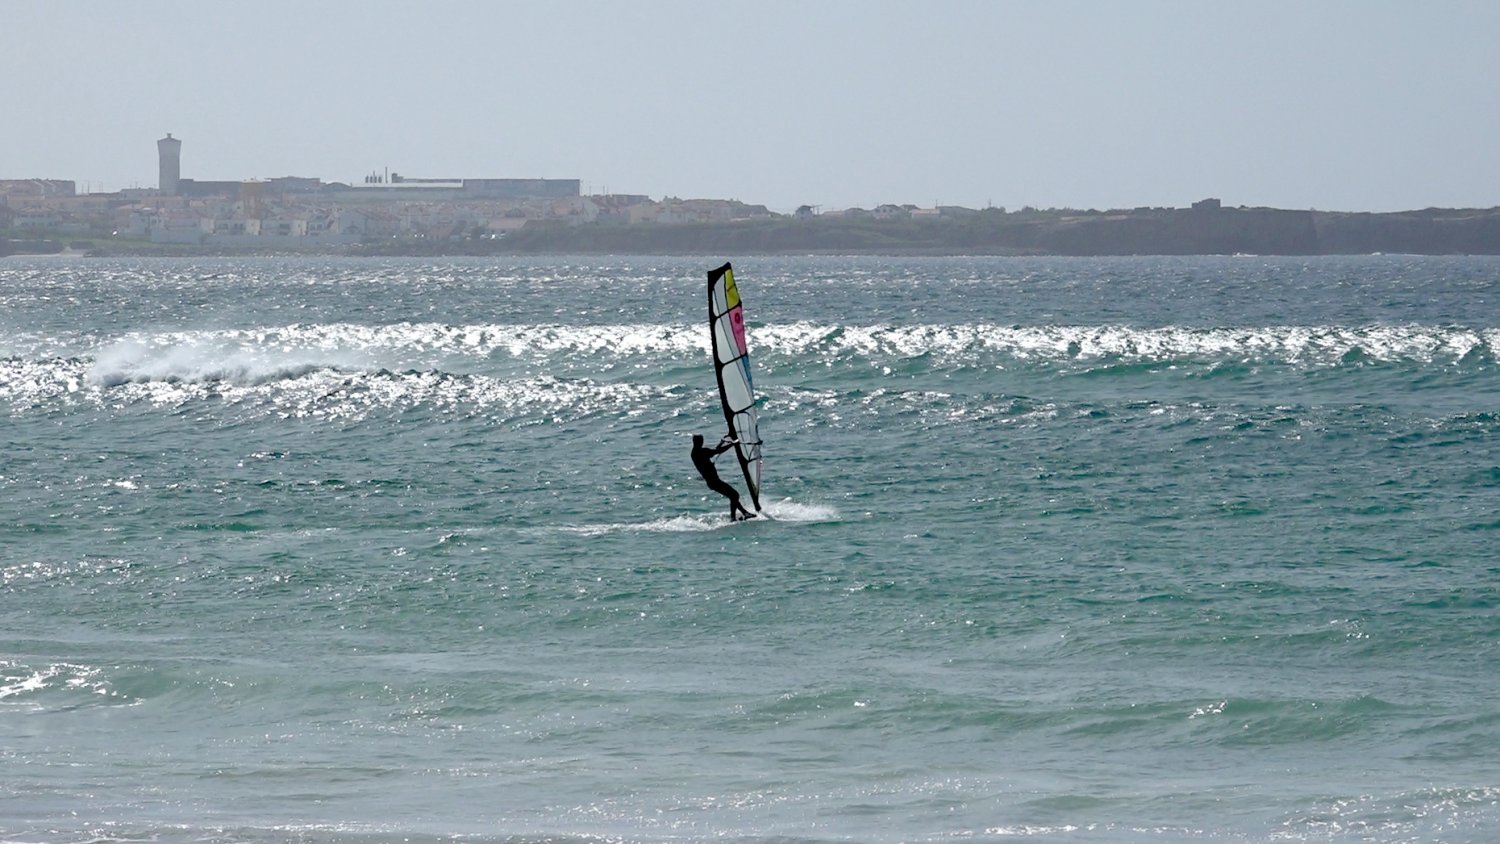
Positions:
{"x": 208, "y": 358}
{"x": 249, "y": 356}
{"x": 969, "y": 343}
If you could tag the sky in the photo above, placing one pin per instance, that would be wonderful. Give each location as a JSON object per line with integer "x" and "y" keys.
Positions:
{"x": 1340, "y": 105}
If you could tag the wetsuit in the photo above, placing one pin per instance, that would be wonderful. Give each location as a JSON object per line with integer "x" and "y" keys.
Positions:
{"x": 703, "y": 459}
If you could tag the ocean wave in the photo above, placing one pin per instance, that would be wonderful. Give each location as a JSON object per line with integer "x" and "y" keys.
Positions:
{"x": 1455, "y": 813}
{"x": 785, "y": 510}
{"x": 326, "y": 394}
{"x": 258, "y": 354}
{"x": 248, "y": 355}
{"x": 306, "y": 390}
{"x": 212, "y": 357}
{"x": 977, "y": 343}
{"x": 401, "y": 364}
{"x": 57, "y": 685}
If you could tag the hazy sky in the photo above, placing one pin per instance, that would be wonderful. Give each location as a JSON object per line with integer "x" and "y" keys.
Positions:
{"x": 1329, "y": 104}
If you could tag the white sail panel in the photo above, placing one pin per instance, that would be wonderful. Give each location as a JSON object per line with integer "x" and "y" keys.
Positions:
{"x": 731, "y": 351}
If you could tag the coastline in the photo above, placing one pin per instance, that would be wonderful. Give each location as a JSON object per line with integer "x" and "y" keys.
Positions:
{"x": 1144, "y": 231}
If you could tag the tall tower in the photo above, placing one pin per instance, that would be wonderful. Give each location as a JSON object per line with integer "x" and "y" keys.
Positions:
{"x": 169, "y": 155}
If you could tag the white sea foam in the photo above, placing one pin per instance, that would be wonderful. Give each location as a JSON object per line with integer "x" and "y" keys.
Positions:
{"x": 1289, "y": 343}
{"x": 29, "y": 681}
{"x": 672, "y": 524}
{"x": 786, "y": 511}
{"x": 208, "y": 357}
{"x": 21, "y": 681}
{"x": 254, "y": 355}
{"x": 306, "y": 366}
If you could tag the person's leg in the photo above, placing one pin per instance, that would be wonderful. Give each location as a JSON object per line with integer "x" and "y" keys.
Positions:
{"x": 728, "y": 492}
{"x": 735, "y": 505}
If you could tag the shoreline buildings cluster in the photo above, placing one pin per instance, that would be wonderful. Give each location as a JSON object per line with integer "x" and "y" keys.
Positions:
{"x": 304, "y": 211}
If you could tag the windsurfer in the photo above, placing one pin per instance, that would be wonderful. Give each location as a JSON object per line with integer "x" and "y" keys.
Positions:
{"x": 703, "y": 459}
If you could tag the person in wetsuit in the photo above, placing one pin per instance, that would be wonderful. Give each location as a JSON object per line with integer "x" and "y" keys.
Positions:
{"x": 703, "y": 459}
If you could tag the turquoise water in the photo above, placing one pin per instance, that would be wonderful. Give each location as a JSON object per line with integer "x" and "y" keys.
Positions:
{"x": 334, "y": 550}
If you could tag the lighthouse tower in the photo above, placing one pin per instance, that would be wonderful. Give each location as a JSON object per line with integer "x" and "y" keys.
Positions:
{"x": 169, "y": 155}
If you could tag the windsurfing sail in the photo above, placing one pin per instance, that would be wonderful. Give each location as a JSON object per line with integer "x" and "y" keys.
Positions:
{"x": 726, "y": 327}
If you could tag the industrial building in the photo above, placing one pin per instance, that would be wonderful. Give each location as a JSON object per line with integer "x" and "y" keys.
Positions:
{"x": 397, "y": 187}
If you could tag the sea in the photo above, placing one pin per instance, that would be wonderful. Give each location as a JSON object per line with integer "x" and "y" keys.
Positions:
{"x": 1137, "y": 549}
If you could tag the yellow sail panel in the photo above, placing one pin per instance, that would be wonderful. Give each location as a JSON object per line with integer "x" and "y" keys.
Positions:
{"x": 731, "y": 292}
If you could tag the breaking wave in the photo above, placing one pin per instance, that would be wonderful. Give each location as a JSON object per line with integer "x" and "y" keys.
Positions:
{"x": 1308, "y": 345}
{"x": 275, "y": 352}
{"x": 785, "y": 511}
{"x": 305, "y": 367}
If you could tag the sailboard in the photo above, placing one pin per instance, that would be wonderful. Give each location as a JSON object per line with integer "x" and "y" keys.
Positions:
{"x": 726, "y": 328}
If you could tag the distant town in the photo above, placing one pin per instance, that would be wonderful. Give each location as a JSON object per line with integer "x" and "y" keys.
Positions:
{"x": 303, "y": 212}
{"x": 391, "y": 213}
